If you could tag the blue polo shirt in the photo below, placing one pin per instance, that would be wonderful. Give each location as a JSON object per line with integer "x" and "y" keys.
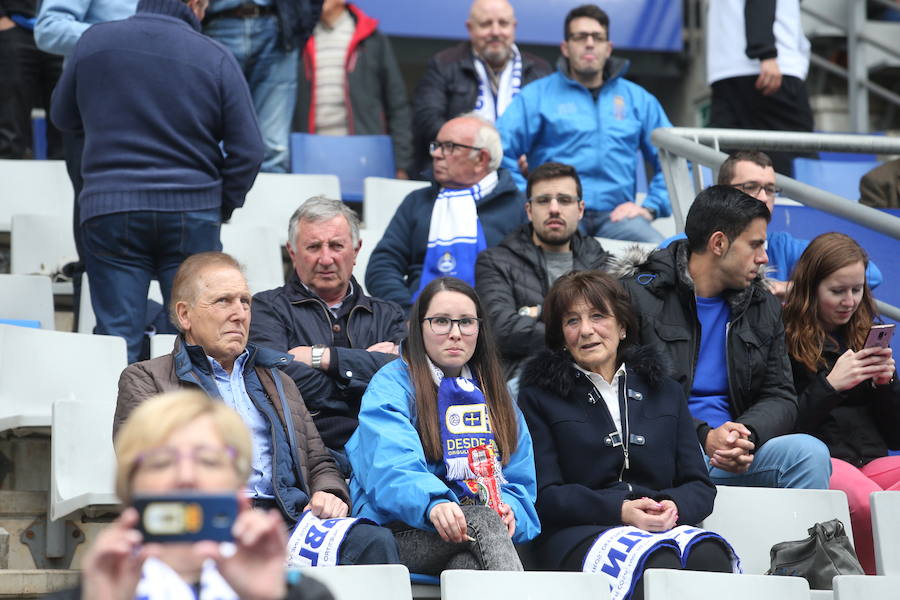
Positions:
{"x": 709, "y": 393}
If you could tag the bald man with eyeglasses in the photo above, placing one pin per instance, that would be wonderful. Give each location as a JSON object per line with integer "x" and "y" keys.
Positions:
{"x": 753, "y": 173}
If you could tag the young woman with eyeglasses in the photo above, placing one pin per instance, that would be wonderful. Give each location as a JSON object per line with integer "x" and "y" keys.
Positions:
{"x": 418, "y": 419}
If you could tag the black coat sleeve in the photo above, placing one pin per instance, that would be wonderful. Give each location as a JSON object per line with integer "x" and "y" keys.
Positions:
{"x": 430, "y": 102}
{"x": 517, "y": 336}
{"x": 396, "y": 106}
{"x": 691, "y": 491}
{"x": 759, "y": 23}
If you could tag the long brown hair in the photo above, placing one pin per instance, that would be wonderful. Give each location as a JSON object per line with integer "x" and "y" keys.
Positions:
{"x": 484, "y": 365}
{"x": 803, "y": 331}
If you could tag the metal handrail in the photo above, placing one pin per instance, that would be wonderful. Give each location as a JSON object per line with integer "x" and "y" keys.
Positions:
{"x": 878, "y": 90}
{"x": 677, "y": 145}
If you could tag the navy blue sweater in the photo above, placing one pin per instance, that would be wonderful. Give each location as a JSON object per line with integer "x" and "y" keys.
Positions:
{"x": 155, "y": 97}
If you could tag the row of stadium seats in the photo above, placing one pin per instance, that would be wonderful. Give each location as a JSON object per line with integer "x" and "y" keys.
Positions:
{"x": 391, "y": 582}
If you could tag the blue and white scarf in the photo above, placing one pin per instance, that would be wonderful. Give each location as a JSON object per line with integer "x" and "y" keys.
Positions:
{"x": 487, "y": 105}
{"x": 464, "y": 424}
{"x": 317, "y": 542}
{"x": 160, "y": 582}
{"x": 455, "y": 236}
{"x": 620, "y": 553}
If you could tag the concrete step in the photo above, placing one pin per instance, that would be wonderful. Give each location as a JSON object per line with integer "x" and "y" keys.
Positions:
{"x": 18, "y": 583}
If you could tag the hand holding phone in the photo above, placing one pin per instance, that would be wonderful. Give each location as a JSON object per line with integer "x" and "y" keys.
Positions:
{"x": 880, "y": 336}
{"x": 186, "y": 517}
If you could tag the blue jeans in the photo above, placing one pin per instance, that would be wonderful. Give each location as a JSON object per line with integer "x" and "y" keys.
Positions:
{"x": 797, "y": 461}
{"x": 369, "y": 545}
{"x": 596, "y": 223}
{"x": 124, "y": 251}
{"x": 271, "y": 74}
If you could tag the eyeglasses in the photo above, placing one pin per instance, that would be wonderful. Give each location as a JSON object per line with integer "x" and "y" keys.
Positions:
{"x": 582, "y": 37}
{"x": 205, "y": 458}
{"x": 753, "y": 187}
{"x": 443, "y": 325}
{"x": 561, "y": 199}
{"x": 448, "y": 147}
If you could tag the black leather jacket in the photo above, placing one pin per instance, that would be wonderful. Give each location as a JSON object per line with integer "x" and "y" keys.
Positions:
{"x": 292, "y": 316}
{"x": 761, "y": 386}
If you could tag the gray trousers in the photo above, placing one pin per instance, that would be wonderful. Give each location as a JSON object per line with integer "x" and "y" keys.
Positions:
{"x": 425, "y": 552}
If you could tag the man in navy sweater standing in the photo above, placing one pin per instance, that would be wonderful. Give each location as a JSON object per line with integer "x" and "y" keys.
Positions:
{"x": 155, "y": 98}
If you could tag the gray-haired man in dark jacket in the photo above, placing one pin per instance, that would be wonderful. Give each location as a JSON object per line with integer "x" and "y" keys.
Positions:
{"x": 339, "y": 337}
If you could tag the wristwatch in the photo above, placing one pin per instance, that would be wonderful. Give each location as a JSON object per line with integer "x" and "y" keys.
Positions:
{"x": 317, "y": 352}
{"x": 525, "y": 311}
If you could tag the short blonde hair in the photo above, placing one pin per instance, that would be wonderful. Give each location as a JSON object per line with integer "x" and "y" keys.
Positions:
{"x": 157, "y": 418}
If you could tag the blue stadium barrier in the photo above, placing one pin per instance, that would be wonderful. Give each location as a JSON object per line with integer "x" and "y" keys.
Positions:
{"x": 839, "y": 177}
{"x": 39, "y": 138}
{"x": 351, "y": 157}
{"x": 21, "y": 323}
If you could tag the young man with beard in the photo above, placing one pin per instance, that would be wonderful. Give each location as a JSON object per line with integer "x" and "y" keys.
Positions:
{"x": 513, "y": 278}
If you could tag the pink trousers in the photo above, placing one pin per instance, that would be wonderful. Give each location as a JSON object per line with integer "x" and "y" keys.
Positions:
{"x": 880, "y": 474}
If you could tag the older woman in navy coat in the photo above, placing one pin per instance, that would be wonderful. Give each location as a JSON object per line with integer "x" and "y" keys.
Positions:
{"x": 614, "y": 443}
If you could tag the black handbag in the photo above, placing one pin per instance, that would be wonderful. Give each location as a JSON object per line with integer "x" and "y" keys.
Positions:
{"x": 827, "y": 552}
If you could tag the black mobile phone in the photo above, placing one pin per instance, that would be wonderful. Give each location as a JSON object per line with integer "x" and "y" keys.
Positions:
{"x": 880, "y": 336}
{"x": 186, "y": 517}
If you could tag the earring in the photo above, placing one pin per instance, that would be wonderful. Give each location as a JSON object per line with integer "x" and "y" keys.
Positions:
{"x": 621, "y": 336}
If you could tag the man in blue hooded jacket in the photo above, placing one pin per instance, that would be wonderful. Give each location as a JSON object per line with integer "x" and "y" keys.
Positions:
{"x": 587, "y": 115}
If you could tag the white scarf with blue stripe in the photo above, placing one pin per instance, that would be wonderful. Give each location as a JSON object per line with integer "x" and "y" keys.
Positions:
{"x": 455, "y": 236}
{"x": 489, "y": 106}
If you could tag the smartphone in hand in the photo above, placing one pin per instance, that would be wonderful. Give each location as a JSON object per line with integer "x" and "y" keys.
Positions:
{"x": 880, "y": 336}
{"x": 186, "y": 517}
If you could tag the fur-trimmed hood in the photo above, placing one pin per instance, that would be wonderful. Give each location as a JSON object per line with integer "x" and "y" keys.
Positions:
{"x": 554, "y": 370}
{"x": 668, "y": 267}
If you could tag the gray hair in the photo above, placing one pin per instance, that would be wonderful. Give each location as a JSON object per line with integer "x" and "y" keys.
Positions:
{"x": 488, "y": 138}
{"x": 320, "y": 208}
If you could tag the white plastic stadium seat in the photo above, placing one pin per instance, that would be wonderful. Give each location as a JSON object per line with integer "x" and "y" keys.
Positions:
{"x": 372, "y": 582}
{"x": 866, "y": 587}
{"x": 522, "y": 585}
{"x": 886, "y": 532}
{"x": 34, "y": 186}
{"x": 40, "y": 243}
{"x": 275, "y": 196}
{"x": 161, "y": 344}
{"x": 38, "y": 367}
{"x": 755, "y": 519}
{"x": 668, "y": 584}
{"x": 27, "y": 298}
{"x": 382, "y": 198}
{"x": 369, "y": 241}
{"x": 257, "y": 248}
{"x": 82, "y": 460}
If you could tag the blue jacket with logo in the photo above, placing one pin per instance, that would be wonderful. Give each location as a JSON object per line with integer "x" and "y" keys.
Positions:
{"x": 557, "y": 119}
{"x": 393, "y": 480}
